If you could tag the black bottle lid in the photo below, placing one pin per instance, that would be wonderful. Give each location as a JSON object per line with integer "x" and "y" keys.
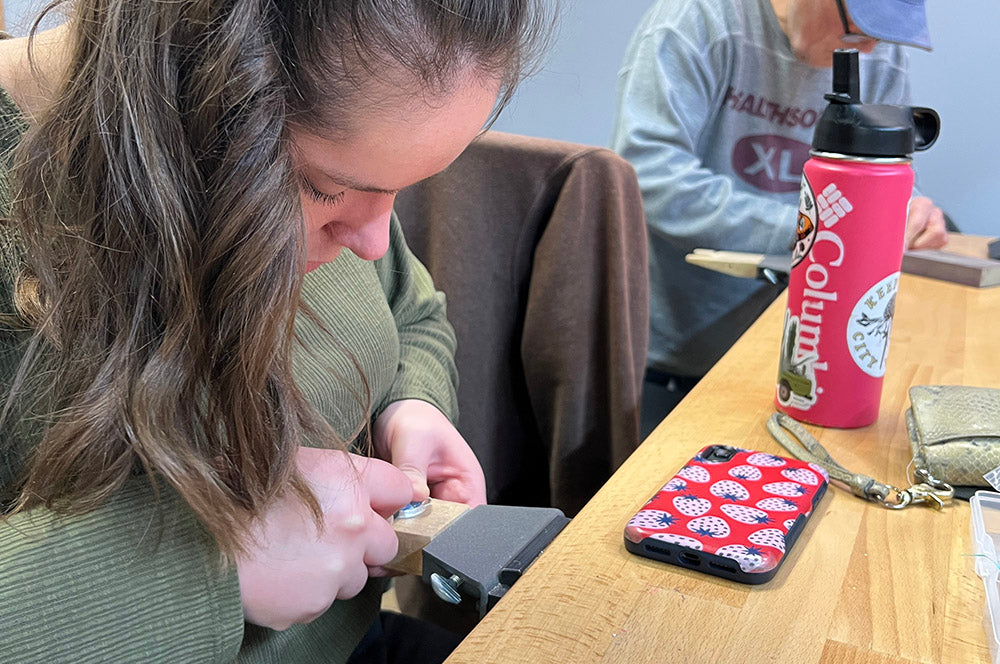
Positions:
{"x": 869, "y": 130}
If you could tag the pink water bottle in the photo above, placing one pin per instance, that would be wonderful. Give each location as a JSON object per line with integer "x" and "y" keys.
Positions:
{"x": 853, "y": 203}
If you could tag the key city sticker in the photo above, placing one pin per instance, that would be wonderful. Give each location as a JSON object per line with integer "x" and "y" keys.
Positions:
{"x": 870, "y": 324}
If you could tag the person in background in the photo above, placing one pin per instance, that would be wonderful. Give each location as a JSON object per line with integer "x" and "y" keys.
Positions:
{"x": 223, "y": 369}
{"x": 717, "y": 100}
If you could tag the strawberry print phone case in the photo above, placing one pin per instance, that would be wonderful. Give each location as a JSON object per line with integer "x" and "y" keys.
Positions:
{"x": 729, "y": 512}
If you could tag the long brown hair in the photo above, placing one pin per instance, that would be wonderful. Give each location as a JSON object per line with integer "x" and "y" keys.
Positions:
{"x": 160, "y": 214}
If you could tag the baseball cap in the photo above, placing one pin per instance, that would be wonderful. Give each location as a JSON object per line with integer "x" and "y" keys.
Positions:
{"x": 898, "y": 21}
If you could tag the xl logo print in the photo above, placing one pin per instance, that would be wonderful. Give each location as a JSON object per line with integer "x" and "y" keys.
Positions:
{"x": 769, "y": 162}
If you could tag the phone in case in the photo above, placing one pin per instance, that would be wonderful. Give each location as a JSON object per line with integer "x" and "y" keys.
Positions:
{"x": 730, "y": 512}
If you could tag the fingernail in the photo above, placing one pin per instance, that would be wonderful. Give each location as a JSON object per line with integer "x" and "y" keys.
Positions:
{"x": 420, "y": 488}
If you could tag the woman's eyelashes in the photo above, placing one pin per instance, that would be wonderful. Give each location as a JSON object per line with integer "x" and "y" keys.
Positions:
{"x": 319, "y": 196}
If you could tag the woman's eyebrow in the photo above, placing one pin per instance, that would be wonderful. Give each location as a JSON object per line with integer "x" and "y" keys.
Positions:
{"x": 350, "y": 183}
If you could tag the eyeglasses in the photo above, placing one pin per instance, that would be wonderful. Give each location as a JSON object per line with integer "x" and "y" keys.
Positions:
{"x": 849, "y": 37}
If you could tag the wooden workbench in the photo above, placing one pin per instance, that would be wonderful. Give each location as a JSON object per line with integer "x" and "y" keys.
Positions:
{"x": 862, "y": 585}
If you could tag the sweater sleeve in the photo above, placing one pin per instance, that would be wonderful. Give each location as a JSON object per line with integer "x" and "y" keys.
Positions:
{"x": 427, "y": 343}
{"x": 665, "y": 94}
{"x": 133, "y": 581}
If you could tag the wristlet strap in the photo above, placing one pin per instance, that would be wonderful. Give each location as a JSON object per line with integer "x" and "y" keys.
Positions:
{"x": 800, "y": 443}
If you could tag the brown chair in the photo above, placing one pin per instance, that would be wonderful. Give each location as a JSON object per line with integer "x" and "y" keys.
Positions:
{"x": 540, "y": 248}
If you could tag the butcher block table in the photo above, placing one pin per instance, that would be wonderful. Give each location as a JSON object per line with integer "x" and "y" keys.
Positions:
{"x": 863, "y": 584}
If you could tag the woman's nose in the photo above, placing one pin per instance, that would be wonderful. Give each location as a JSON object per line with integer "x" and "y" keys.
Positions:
{"x": 368, "y": 236}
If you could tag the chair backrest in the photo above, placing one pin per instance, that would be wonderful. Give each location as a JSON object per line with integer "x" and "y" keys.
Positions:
{"x": 540, "y": 249}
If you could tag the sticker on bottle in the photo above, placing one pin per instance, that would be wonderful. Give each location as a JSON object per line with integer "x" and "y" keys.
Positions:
{"x": 797, "y": 365}
{"x": 806, "y": 224}
{"x": 870, "y": 324}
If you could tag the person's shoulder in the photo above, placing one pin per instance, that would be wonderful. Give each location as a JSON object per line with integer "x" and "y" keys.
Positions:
{"x": 12, "y": 122}
{"x": 700, "y": 22}
{"x": 697, "y": 20}
{"x": 12, "y": 128}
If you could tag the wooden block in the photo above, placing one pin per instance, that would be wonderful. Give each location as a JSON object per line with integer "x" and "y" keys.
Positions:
{"x": 968, "y": 270}
{"x": 415, "y": 533}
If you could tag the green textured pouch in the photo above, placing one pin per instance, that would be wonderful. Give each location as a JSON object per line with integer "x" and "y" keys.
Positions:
{"x": 955, "y": 432}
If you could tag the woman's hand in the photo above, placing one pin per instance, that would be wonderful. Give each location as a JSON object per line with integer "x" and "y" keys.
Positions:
{"x": 292, "y": 573}
{"x": 419, "y": 440}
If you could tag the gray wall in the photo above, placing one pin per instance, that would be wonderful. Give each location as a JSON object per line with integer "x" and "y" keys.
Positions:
{"x": 961, "y": 80}
{"x": 573, "y": 96}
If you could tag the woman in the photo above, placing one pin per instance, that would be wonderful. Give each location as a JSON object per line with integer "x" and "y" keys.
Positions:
{"x": 188, "y": 347}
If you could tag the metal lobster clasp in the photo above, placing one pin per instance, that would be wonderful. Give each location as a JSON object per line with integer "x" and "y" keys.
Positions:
{"x": 917, "y": 494}
{"x": 925, "y": 493}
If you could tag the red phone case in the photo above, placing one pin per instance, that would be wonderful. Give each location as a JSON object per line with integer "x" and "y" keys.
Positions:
{"x": 734, "y": 518}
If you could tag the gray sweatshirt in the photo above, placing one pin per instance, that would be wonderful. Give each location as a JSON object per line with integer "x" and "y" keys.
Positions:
{"x": 716, "y": 115}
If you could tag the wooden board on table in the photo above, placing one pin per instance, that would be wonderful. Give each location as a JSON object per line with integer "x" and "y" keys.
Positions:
{"x": 956, "y": 268}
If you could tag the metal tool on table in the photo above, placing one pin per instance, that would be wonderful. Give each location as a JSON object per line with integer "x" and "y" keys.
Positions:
{"x": 769, "y": 267}
{"x": 476, "y": 554}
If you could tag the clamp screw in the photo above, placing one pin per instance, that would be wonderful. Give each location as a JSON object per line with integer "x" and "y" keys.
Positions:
{"x": 447, "y": 588}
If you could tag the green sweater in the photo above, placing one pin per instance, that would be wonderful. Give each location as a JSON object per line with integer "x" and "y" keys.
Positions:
{"x": 137, "y": 582}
